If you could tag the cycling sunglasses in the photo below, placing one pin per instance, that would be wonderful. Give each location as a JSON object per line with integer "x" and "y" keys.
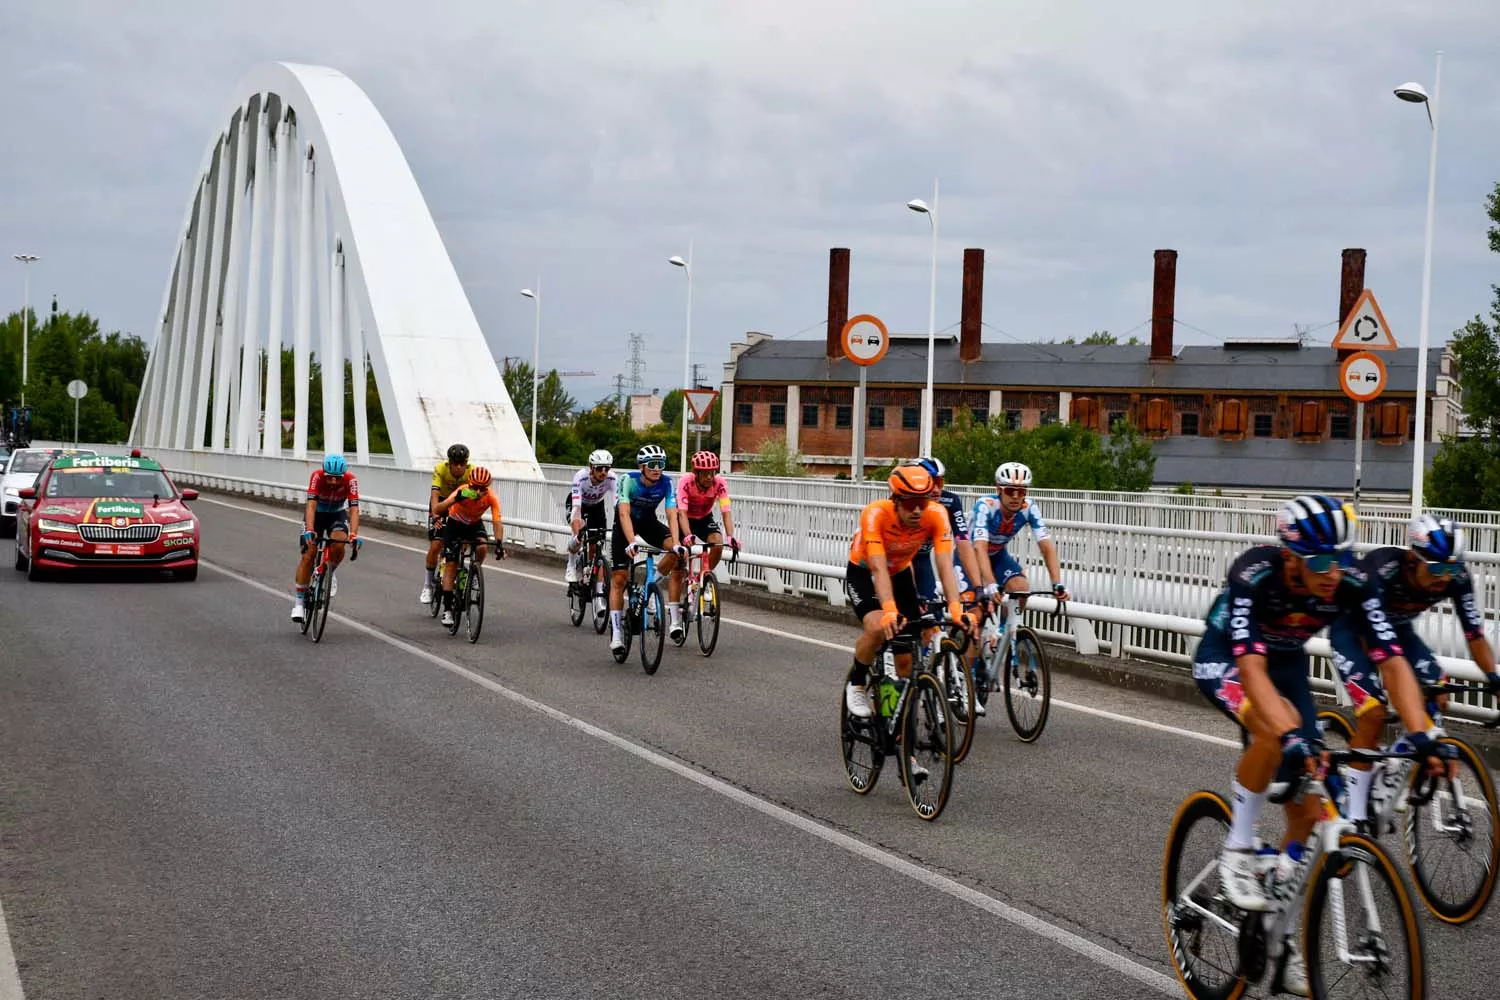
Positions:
{"x": 654, "y": 464}
{"x": 1444, "y": 569}
{"x": 912, "y": 503}
{"x": 1321, "y": 563}
{"x": 1014, "y": 491}
{"x": 600, "y": 468}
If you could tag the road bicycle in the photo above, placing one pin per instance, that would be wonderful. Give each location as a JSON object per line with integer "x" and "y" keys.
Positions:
{"x": 910, "y": 721}
{"x": 645, "y": 612}
{"x": 1013, "y": 659}
{"x": 700, "y": 599}
{"x": 1348, "y": 936}
{"x": 949, "y": 648}
{"x": 1452, "y": 839}
{"x": 468, "y": 585}
{"x": 319, "y": 596}
{"x": 592, "y": 585}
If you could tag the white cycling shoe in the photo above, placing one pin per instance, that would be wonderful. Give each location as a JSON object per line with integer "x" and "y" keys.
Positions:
{"x": 1239, "y": 881}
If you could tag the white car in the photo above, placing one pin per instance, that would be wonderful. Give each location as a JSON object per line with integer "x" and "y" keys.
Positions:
{"x": 20, "y": 473}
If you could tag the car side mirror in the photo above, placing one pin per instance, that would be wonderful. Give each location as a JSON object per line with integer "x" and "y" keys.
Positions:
{"x": 29, "y": 493}
{"x": 189, "y": 495}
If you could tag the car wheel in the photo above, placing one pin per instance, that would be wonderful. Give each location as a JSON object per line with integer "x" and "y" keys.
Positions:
{"x": 21, "y": 561}
{"x": 33, "y": 572}
{"x": 186, "y": 575}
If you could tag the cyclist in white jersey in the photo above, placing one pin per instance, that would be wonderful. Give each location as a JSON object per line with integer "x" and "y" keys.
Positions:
{"x": 593, "y": 495}
{"x": 997, "y": 519}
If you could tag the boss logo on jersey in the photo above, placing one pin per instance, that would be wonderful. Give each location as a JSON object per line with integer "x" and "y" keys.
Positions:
{"x": 1377, "y": 619}
{"x": 1467, "y": 604}
{"x": 1239, "y": 619}
{"x": 1210, "y": 671}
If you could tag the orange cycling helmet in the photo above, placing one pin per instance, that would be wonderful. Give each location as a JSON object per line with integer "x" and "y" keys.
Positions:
{"x": 479, "y": 476}
{"x": 912, "y": 481}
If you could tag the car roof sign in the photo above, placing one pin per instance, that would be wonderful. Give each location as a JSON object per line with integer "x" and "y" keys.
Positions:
{"x": 105, "y": 461}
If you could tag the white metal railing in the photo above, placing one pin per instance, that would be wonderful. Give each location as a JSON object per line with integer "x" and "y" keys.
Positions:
{"x": 1139, "y": 589}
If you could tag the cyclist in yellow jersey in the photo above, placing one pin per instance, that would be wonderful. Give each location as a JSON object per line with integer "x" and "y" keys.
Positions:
{"x": 446, "y": 478}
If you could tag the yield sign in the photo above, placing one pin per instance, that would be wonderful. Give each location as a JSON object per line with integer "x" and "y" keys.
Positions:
{"x": 1365, "y": 329}
{"x": 286, "y": 425}
{"x": 699, "y": 402}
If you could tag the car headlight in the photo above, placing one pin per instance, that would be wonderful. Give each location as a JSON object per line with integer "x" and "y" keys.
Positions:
{"x": 176, "y": 527}
{"x": 56, "y": 527}
{"x": 13, "y": 493}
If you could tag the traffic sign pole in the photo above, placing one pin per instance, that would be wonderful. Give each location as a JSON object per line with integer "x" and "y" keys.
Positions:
{"x": 861, "y": 418}
{"x": 865, "y": 341}
{"x": 1359, "y": 447}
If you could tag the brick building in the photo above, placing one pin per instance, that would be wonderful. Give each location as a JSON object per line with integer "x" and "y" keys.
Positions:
{"x": 1221, "y": 413}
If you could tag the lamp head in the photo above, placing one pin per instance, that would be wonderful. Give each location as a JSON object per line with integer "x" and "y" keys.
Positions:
{"x": 918, "y": 205}
{"x": 1413, "y": 92}
{"x": 678, "y": 261}
{"x": 528, "y": 293}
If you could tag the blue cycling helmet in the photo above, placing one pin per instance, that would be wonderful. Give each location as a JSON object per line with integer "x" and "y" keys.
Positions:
{"x": 934, "y": 466}
{"x": 335, "y": 465}
{"x": 1313, "y": 524}
{"x": 1436, "y": 539}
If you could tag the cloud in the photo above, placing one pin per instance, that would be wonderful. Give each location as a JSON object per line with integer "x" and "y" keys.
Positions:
{"x": 587, "y": 142}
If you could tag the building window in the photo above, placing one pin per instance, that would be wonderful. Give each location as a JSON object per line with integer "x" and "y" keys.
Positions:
{"x": 744, "y": 413}
{"x": 911, "y": 420}
{"x": 843, "y": 416}
{"x": 809, "y": 414}
{"x": 778, "y": 414}
{"x": 1190, "y": 425}
{"x": 1264, "y": 425}
{"x": 877, "y": 418}
{"x": 981, "y": 417}
{"x": 945, "y": 416}
{"x": 1113, "y": 417}
{"x": 1049, "y": 417}
{"x": 1013, "y": 420}
{"x": 1340, "y": 427}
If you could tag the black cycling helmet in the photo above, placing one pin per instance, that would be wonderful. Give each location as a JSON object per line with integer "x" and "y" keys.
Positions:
{"x": 458, "y": 453}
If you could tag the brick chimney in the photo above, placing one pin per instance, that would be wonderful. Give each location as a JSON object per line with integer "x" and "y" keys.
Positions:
{"x": 838, "y": 299}
{"x": 1351, "y": 285}
{"x": 1163, "y": 305}
{"x": 971, "y": 310}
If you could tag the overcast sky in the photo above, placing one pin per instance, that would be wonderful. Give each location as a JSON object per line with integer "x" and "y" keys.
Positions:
{"x": 588, "y": 141}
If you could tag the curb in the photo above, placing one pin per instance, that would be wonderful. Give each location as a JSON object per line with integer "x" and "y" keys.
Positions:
{"x": 1172, "y": 683}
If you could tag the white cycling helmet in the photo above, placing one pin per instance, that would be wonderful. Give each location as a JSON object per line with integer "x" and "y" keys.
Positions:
{"x": 650, "y": 452}
{"x": 601, "y": 459}
{"x": 1012, "y": 474}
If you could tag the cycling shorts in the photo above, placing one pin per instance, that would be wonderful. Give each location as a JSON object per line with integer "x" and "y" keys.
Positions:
{"x": 649, "y": 530}
{"x": 329, "y": 521}
{"x": 703, "y": 527}
{"x": 455, "y": 532}
{"x": 1362, "y": 678}
{"x": 1005, "y": 567}
{"x": 927, "y": 581}
{"x": 593, "y": 516}
{"x": 859, "y": 588}
{"x": 1219, "y": 680}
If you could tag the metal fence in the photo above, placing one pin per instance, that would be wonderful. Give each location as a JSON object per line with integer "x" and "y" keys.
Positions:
{"x": 1139, "y": 589}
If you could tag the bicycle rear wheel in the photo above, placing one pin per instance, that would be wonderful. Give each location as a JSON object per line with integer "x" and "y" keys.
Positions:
{"x": 707, "y": 613}
{"x": 958, "y": 686}
{"x": 1454, "y": 852}
{"x": 474, "y": 604}
{"x": 1028, "y": 686}
{"x": 1201, "y": 926}
{"x": 861, "y": 744}
{"x": 1348, "y": 945}
{"x": 653, "y": 628}
{"x": 319, "y": 611}
{"x": 460, "y": 589}
{"x": 435, "y": 603}
{"x": 309, "y": 604}
{"x": 926, "y": 747}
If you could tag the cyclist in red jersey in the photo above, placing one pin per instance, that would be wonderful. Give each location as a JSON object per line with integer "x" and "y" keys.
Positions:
{"x": 332, "y": 508}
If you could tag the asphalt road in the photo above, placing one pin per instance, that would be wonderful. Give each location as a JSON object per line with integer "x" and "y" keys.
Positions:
{"x": 197, "y": 801}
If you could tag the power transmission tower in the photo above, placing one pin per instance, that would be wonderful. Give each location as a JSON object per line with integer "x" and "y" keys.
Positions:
{"x": 697, "y": 380}
{"x": 637, "y": 362}
{"x": 620, "y": 389}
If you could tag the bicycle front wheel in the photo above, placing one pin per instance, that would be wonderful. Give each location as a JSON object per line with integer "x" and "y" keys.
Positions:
{"x": 926, "y": 746}
{"x": 319, "y": 611}
{"x": 653, "y": 629}
{"x": 861, "y": 745}
{"x": 1028, "y": 686}
{"x": 1454, "y": 850}
{"x": 1202, "y": 927}
{"x": 708, "y": 615}
{"x": 580, "y": 594}
{"x": 959, "y": 689}
{"x": 1360, "y": 926}
{"x": 474, "y": 604}
{"x": 599, "y": 583}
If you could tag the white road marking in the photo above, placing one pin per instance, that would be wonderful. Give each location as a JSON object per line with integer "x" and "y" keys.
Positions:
{"x": 1160, "y": 727}
{"x": 10, "y": 976}
{"x": 1067, "y": 939}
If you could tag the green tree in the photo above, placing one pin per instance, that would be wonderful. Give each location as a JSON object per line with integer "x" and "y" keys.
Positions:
{"x": 1061, "y": 456}
{"x": 1466, "y": 471}
{"x": 62, "y": 348}
{"x": 773, "y": 458}
{"x": 554, "y": 405}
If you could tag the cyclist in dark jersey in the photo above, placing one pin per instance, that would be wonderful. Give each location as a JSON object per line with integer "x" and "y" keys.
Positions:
{"x": 965, "y": 568}
{"x": 1409, "y": 581}
{"x": 1252, "y": 666}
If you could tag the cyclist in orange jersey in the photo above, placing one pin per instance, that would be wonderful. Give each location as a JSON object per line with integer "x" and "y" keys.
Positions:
{"x": 878, "y": 580}
{"x": 465, "y": 508}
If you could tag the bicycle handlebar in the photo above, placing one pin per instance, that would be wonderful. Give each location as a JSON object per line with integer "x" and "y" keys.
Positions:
{"x": 1462, "y": 687}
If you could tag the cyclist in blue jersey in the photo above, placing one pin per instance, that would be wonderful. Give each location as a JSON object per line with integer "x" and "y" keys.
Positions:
{"x": 1430, "y": 570}
{"x": 999, "y": 517}
{"x": 965, "y": 565}
{"x": 640, "y": 494}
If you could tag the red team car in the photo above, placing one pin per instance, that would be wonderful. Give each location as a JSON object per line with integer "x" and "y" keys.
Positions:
{"x": 106, "y": 511}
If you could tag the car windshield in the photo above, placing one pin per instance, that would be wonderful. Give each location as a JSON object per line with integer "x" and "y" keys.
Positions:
{"x": 96, "y": 483}
{"x": 30, "y": 461}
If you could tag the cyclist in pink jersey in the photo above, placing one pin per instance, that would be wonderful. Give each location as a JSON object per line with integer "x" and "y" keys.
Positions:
{"x": 697, "y": 496}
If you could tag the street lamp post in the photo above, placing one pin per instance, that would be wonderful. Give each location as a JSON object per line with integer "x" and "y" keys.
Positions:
{"x": 687, "y": 349}
{"x": 536, "y": 350}
{"x": 929, "y": 407}
{"x": 1414, "y": 93}
{"x": 25, "y": 258}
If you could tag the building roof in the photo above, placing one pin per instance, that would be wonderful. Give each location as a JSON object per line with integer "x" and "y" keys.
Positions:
{"x": 1276, "y": 367}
